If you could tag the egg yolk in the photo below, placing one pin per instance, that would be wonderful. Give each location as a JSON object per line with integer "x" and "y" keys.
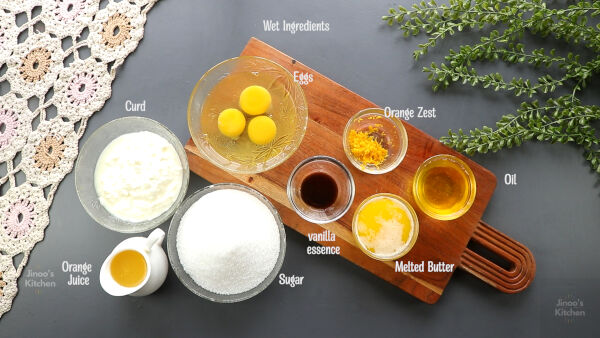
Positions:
{"x": 255, "y": 100}
{"x": 231, "y": 123}
{"x": 261, "y": 130}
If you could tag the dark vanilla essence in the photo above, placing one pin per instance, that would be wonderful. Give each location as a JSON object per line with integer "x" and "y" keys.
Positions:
{"x": 319, "y": 190}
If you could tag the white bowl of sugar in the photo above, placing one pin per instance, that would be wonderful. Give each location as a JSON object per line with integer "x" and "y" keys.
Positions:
{"x": 226, "y": 243}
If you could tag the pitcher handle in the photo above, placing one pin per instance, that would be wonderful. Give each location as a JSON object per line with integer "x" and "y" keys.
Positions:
{"x": 156, "y": 237}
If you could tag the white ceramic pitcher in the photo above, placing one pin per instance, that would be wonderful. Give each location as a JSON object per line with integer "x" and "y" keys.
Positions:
{"x": 156, "y": 263}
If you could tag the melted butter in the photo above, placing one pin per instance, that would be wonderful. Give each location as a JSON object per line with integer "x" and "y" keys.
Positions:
{"x": 385, "y": 226}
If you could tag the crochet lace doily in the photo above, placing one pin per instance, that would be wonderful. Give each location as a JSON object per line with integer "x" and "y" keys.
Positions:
{"x": 58, "y": 59}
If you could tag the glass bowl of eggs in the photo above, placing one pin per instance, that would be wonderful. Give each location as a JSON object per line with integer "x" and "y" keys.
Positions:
{"x": 247, "y": 115}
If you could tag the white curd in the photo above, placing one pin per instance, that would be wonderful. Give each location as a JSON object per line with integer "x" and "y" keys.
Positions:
{"x": 138, "y": 176}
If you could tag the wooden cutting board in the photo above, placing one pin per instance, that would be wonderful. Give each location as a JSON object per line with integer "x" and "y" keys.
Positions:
{"x": 330, "y": 106}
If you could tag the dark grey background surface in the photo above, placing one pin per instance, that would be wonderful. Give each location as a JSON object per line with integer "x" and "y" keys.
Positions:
{"x": 553, "y": 210}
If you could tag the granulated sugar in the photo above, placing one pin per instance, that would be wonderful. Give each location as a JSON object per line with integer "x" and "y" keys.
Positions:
{"x": 228, "y": 241}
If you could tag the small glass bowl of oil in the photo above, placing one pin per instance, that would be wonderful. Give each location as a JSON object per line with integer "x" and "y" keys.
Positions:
{"x": 444, "y": 187}
{"x": 385, "y": 227}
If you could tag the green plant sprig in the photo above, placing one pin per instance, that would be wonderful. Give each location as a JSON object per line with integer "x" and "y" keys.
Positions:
{"x": 563, "y": 119}
{"x": 559, "y": 121}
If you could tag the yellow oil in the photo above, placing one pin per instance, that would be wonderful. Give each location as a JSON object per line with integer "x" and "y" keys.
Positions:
{"x": 128, "y": 268}
{"x": 384, "y": 226}
{"x": 443, "y": 188}
{"x": 226, "y": 94}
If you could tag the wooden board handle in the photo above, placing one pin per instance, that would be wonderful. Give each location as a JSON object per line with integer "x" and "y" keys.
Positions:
{"x": 513, "y": 279}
